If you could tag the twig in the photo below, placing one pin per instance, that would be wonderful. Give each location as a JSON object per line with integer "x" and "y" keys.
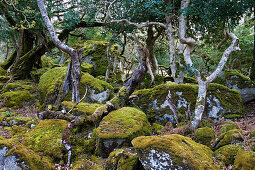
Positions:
{"x": 79, "y": 101}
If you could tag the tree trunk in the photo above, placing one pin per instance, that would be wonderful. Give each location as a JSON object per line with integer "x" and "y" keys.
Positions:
{"x": 200, "y": 104}
{"x": 252, "y": 75}
{"x": 150, "y": 42}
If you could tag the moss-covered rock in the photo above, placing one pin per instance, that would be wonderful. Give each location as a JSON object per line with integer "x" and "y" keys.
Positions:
{"x": 14, "y": 155}
{"x": 20, "y": 85}
{"x": 244, "y": 160}
{"x": 146, "y": 83}
{"x": 52, "y": 81}
{"x": 158, "y": 129}
{"x": 45, "y": 138}
{"x": 88, "y": 162}
{"x": 226, "y": 154}
{"x": 173, "y": 152}
{"x": 17, "y": 99}
{"x": 122, "y": 159}
{"x": 230, "y": 137}
{"x": 119, "y": 127}
{"x": 221, "y": 101}
{"x": 95, "y": 53}
{"x": 235, "y": 80}
{"x": 85, "y": 67}
{"x": 205, "y": 136}
{"x": 47, "y": 62}
{"x": 228, "y": 126}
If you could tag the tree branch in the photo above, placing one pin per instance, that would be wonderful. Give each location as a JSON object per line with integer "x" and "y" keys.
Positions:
{"x": 141, "y": 25}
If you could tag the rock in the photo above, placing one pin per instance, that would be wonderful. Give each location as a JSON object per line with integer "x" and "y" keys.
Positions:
{"x": 17, "y": 99}
{"x": 244, "y": 160}
{"x": 88, "y": 162}
{"x": 230, "y": 137}
{"x": 52, "y": 81}
{"x": 46, "y": 138}
{"x": 119, "y": 127}
{"x": 235, "y": 80}
{"x": 95, "y": 53}
{"x": 172, "y": 152}
{"x": 122, "y": 159}
{"x": 228, "y": 126}
{"x": 221, "y": 102}
{"x": 205, "y": 136}
{"x": 226, "y": 154}
{"x": 15, "y": 156}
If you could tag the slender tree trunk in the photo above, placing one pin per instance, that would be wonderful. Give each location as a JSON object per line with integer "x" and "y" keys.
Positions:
{"x": 252, "y": 75}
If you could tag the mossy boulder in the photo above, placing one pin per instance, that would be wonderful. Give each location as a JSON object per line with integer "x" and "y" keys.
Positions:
{"x": 244, "y": 160}
{"x": 146, "y": 83}
{"x": 205, "y": 136}
{"x": 14, "y": 155}
{"x": 235, "y": 80}
{"x": 228, "y": 126}
{"x": 84, "y": 162}
{"x": 45, "y": 138}
{"x": 85, "y": 67}
{"x": 119, "y": 127}
{"x": 220, "y": 102}
{"x": 52, "y": 81}
{"x": 122, "y": 159}
{"x": 17, "y": 99}
{"x": 20, "y": 85}
{"x": 173, "y": 152}
{"x": 226, "y": 154}
{"x": 95, "y": 53}
{"x": 230, "y": 137}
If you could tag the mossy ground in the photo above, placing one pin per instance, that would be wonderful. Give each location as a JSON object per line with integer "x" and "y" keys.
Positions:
{"x": 181, "y": 149}
{"x": 32, "y": 159}
{"x": 45, "y": 138}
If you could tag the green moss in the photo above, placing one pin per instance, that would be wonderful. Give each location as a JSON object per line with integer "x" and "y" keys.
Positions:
{"x": 2, "y": 71}
{"x": 146, "y": 83}
{"x": 120, "y": 99}
{"x": 228, "y": 126}
{"x": 87, "y": 162}
{"x": 226, "y": 154}
{"x": 4, "y": 79}
{"x": 244, "y": 160}
{"x": 84, "y": 108}
{"x": 157, "y": 128}
{"x": 37, "y": 73}
{"x": 16, "y": 99}
{"x": 235, "y": 78}
{"x": 252, "y": 134}
{"x": 126, "y": 123}
{"x": 29, "y": 157}
{"x": 85, "y": 67}
{"x": 122, "y": 159}
{"x": 205, "y": 136}
{"x": 45, "y": 138}
{"x": 46, "y": 62}
{"x": 182, "y": 150}
{"x": 19, "y": 85}
{"x": 230, "y": 137}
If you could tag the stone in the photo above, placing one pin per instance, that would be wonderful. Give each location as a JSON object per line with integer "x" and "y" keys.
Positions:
{"x": 172, "y": 152}
{"x": 221, "y": 102}
{"x": 237, "y": 81}
{"x": 119, "y": 127}
{"x": 205, "y": 136}
{"x": 244, "y": 160}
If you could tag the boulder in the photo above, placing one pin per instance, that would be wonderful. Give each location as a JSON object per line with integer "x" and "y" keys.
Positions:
{"x": 235, "y": 80}
{"x": 230, "y": 137}
{"x": 119, "y": 127}
{"x": 172, "y": 152}
{"x": 122, "y": 159}
{"x": 221, "y": 102}
{"x": 244, "y": 160}
{"x": 228, "y": 126}
{"x": 46, "y": 137}
{"x": 52, "y": 81}
{"x": 205, "y": 136}
{"x": 15, "y": 156}
{"x": 226, "y": 154}
{"x": 95, "y": 53}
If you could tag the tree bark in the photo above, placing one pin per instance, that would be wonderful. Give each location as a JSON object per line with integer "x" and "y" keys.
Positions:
{"x": 252, "y": 75}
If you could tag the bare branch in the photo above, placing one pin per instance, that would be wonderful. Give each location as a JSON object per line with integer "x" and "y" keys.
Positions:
{"x": 141, "y": 25}
{"x": 224, "y": 40}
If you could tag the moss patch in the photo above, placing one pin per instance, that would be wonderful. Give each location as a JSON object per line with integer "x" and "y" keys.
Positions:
{"x": 230, "y": 137}
{"x": 226, "y": 154}
{"x": 183, "y": 151}
{"x": 23, "y": 153}
{"x": 45, "y": 138}
{"x": 2, "y": 71}
{"x": 228, "y": 126}
{"x": 85, "y": 67}
{"x": 205, "y": 136}
{"x": 17, "y": 99}
{"x": 244, "y": 160}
